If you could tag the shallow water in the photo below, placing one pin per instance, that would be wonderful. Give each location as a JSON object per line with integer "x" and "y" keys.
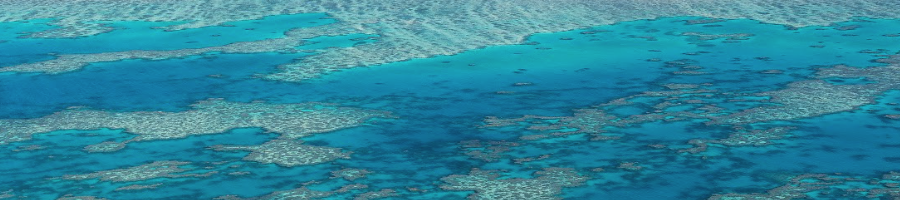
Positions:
{"x": 138, "y": 35}
{"x": 444, "y": 100}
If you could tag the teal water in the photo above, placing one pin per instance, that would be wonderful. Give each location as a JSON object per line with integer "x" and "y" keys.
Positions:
{"x": 139, "y": 35}
{"x": 443, "y": 100}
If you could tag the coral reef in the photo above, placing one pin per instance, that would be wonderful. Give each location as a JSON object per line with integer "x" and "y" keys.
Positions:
{"x": 422, "y": 29}
{"x": 383, "y": 193}
{"x": 206, "y": 117}
{"x": 108, "y": 146}
{"x": 800, "y": 99}
{"x": 305, "y": 193}
{"x": 350, "y": 187}
{"x": 489, "y": 151}
{"x": 742, "y": 137}
{"x": 530, "y": 159}
{"x": 81, "y": 198}
{"x": 138, "y": 187}
{"x": 288, "y": 153}
{"x": 350, "y": 174}
{"x": 71, "y": 62}
{"x": 158, "y": 169}
{"x": 299, "y": 193}
{"x": 817, "y": 186}
{"x": 545, "y": 185}
{"x": 240, "y": 173}
{"x": 33, "y": 147}
{"x": 430, "y": 28}
{"x": 809, "y": 98}
{"x": 630, "y": 166}
{"x": 596, "y": 120}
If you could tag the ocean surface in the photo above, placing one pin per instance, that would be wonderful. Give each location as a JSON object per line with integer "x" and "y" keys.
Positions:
{"x": 442, "y": 109}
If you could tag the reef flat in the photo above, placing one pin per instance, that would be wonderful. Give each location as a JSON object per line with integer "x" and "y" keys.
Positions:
{"x": 407, "y": 30}
{"x": 818, "y": 186}
{"x": 160, "y": 169}
{"x": 206, "y": 117}
{"x": 72, "y": 62}
{"x": 786, "y": 101}
{"x": 546, "y": 185}
{"x": 288, "y": 153}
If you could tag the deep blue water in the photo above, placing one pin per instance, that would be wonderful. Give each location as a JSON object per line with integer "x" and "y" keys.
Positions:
{"x": 441, "y": 101}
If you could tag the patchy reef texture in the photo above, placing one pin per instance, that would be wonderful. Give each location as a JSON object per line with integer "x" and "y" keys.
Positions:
{"x": 489, "y": 151}
{"x": 816, "y": 97}
{"x": 299, "y": 193}
{"x": 108, "y": 146}
{"x": 350, "y": 174}
{"x": 136, "y": 187}
{"x": 756, "y": 138}
{"x": 72, "y": 62}
{"x": 288, "y": 153}
{"x": 7, "y": 194}
{"x": 546, "y": 184}
{"x": 206, "y": 117}
{"x": 158, "y": 169}
{"x": 805, "y": 98}
{"x": 81, "y": 198}
{"x": 408, "y": 30}
{"x": 381, "y": 194}
{"x": 827, "y": 186}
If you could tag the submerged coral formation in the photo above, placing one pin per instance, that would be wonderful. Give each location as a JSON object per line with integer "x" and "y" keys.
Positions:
{"x": 409, "y": 31}
{"x": 108, "y": 146}
{"x": 679, "y": 88}
{"x": 383, "y": 193}
{"x": 288, "y": 153}
{"x": 136, "y": 187}
{"x": 158, "y": 169}
{"x": 205, "y": 117}
{"x": 742, "y": 138}
{"x": 81, "y": 198}
{"x": 72, "y": 62}
{"x": 305, "y": 192}
{"x": 488, "y": 185}
{"x": 800, "y": 99}
{"x": 299, "y": 193}
{"x": 816, "y": 97}
{"x": 489, "y": 151}
{"x": 827, "y": 186}
{"x": 597, "y": 120}
{"x": 350, "y": 174}
{"x": 32, "y": 147}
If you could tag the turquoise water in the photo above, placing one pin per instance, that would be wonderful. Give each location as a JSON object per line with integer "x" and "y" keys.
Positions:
{"x": 139, "y": 35}
{"x": 443, "y": 100}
